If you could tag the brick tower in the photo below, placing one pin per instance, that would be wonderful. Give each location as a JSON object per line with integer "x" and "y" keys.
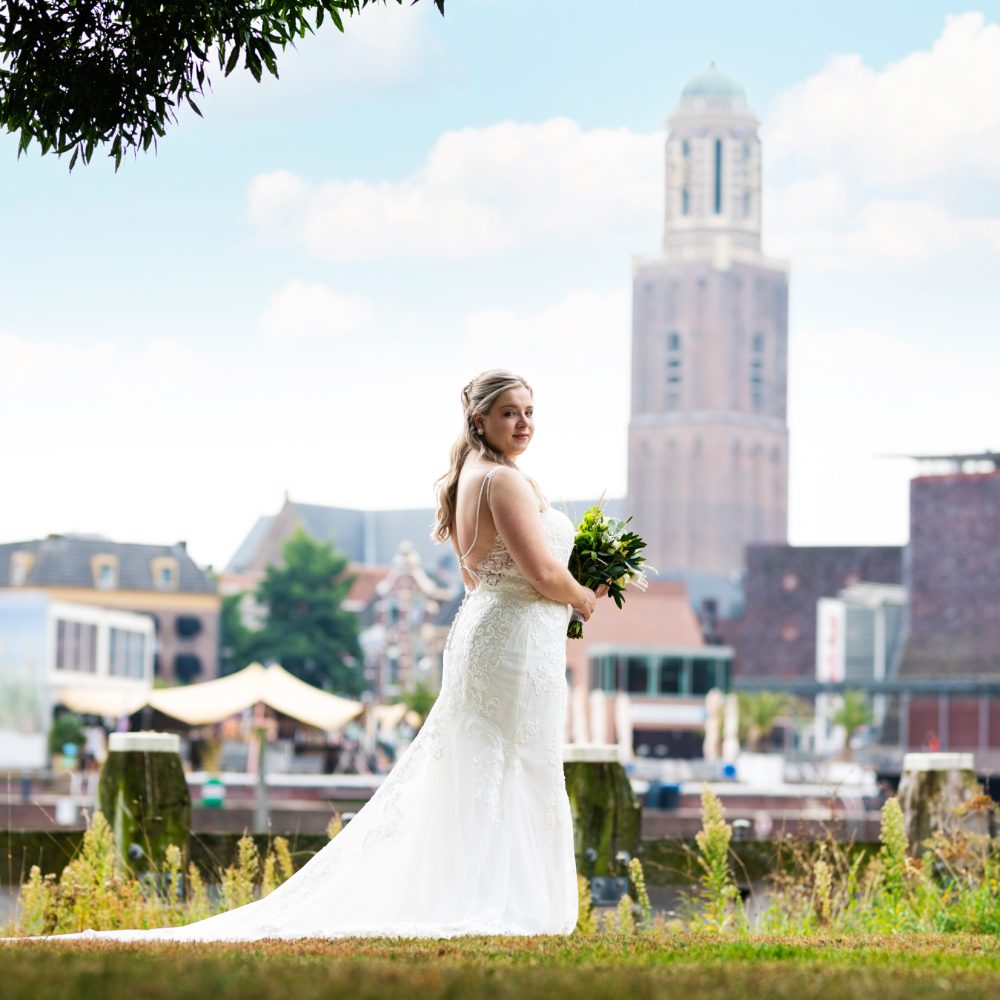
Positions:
{"x": 708, "y": 434}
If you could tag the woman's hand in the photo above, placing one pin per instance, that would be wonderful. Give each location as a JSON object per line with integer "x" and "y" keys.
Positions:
{"x": 585, "y": 603}
{"x": 601, "y": 590}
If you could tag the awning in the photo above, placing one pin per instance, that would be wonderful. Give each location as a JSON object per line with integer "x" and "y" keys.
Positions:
{"x": 390, "y": 716}
{"x": 213, "y": 701}
{"x": 112, "y": 702}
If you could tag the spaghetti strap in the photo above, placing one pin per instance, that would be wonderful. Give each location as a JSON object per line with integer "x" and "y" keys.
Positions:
{"x": 484, "y": 488}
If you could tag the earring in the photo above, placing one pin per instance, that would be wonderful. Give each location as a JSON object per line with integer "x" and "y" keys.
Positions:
{"x": 479, "y": 430}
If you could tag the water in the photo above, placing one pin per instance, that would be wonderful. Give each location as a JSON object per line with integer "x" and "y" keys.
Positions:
{"x": 8, "y": 900}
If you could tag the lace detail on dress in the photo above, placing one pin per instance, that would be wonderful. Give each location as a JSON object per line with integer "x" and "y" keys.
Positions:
{"x": 496, "y": 565}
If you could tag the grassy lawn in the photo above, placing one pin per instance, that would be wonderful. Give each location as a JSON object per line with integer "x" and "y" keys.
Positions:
{"x": 640, "y": 966}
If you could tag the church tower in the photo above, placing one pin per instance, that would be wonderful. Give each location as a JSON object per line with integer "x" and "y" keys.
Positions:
{"x": 708, "y": 434}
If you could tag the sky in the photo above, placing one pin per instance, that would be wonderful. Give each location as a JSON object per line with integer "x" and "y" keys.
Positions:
{"x": 289, "y": 294}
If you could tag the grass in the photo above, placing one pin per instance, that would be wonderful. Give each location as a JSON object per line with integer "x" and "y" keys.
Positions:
{"x": 704, "y": 965}
{"x": 838, "y": 924}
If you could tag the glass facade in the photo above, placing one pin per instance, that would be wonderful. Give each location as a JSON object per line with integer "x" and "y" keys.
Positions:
{"x": 22, "y": 664}
{"x": 76, "y": 646}
{"x": 126, "y": 653}
{"x": 692, "y": 674}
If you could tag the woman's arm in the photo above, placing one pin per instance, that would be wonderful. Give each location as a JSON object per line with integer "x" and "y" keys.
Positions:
{"x": 514, "y": 507}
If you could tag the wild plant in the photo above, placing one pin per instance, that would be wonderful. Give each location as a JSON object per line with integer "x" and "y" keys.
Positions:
{"x": 638, "y": 879}
{"x": 586, "y": 919}
{"x": 719, "y": 906}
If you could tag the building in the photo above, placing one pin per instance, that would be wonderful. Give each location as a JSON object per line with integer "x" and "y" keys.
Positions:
{"x": 950, "y": 666}
{"x": 641, "y": 674}
{"x": 366, "y": 537}
{"x": 409, "y": 615}
{"x": 859, "y": 639}
{"x": 49, "y": 645}
{"x": 708, "y": 438}
{"x": 162, "y": 581}
{"x": 917, "y": 629}
{"x": 953, "y": 576}
{"x": 776, "y": 637}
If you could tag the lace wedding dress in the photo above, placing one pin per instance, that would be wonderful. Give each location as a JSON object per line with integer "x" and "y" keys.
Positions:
{"x": 470, "y": 833}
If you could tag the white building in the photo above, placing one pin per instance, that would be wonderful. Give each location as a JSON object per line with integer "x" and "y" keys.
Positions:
{"x": 859, "y": 638}
{"x": 49, "y": 646}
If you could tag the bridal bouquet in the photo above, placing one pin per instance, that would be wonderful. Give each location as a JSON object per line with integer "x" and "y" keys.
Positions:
{"x": 605, "y": 553}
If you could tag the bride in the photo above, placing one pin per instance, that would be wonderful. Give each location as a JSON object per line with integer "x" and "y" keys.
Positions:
{"x": 470, "y": 833}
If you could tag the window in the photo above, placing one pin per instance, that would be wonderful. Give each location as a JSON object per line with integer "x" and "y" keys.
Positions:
{"x": 105, "y": 572}
{"x": 675, "y": 370}
{"x": 166, "y": 573}
{"x": 126, "y": 653}
{"x": 187, "y": 626}
{"x": 76, "y": 646}
{"x": 686, "y": 172}
{"x": 671, "y": 675}
{"x": 718, "y": 176}
{"x": 757, "y": 373}
{"x": 702, "y": 676}
{"x": 637, "y": 675}
{"x": 186, "y": 667}
{"x": 747, "y": 192}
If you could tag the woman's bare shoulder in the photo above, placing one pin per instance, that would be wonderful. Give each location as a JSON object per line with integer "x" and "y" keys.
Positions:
{"x": 512, "y": 485}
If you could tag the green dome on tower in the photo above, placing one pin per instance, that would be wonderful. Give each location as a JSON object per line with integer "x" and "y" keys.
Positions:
{"x": 712, "y": 83}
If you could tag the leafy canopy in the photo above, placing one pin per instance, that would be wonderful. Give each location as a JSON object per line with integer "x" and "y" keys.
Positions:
{"x": 307, "y": 629}
{"x": 77, "y": 74}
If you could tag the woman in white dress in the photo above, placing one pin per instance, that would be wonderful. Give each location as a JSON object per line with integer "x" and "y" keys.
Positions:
{"x": 470, "y": 833}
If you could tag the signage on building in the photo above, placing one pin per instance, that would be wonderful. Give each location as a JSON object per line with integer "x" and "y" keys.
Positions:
{"x": 831, "y": 620}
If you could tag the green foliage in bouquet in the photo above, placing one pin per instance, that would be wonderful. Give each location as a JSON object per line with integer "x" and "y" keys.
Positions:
{"x": 605, "y": 552}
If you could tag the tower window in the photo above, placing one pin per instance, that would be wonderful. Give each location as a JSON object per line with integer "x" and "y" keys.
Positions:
{"x": 675, "y": 370}
{"x": 757, "y": 373}
{"x": 718, "y": 176}
{"x": 685, "y": 190}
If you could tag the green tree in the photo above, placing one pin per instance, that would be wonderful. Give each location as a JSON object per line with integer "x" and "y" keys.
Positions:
{"x": 307, "y": 630}
{"x": 237, "y": 643}
{"x": 420, "y": 699}
{"x": 759, "y": 712}
{"x": 854, "y": 712}
{"x": 77, "y": 74}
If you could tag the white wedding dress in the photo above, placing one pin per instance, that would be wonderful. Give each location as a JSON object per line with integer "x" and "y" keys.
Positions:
{"x": 470, "y": 833}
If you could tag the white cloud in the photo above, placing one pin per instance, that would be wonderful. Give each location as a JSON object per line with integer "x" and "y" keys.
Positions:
{"x": 480, "y": 190}
{"x": 382, "y": 49}
{"x": 303, "y": 311}
{"x": 881, "y": 168}
{"x": 820, "y": 224}
{"x": 919, "y": 119}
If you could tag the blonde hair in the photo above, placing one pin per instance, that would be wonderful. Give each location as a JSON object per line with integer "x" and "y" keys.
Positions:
{"x": 477, "y": 397}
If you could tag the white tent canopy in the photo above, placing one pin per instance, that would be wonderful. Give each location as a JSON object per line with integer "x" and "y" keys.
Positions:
{"x": 113, "y": 702}
{"x": 213, "y": 701}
